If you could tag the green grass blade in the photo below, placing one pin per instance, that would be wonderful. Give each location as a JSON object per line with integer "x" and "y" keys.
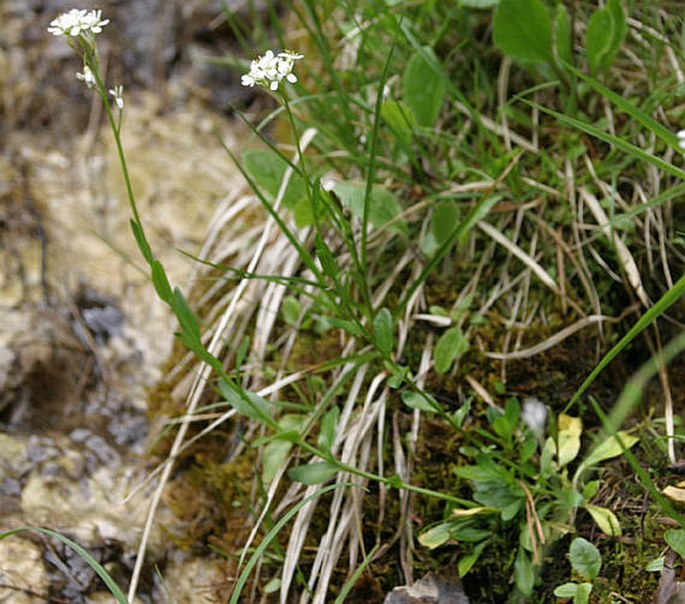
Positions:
{"x": 646, "y": 120}
{"x": 114, "y": 589}
{"x": 270, "y": 536}
{"x": 619, "y": 143}
{"x": 659, "y": 308}
{"x": 351, "y": 582}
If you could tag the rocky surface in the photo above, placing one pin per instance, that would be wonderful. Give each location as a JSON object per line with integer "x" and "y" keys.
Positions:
{"x": 82, "y": 335}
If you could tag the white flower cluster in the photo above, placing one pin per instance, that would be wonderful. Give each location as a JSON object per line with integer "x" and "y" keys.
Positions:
{"x": 271, "y": 69}
{"x": 681, "y": 139}
{"x": 77, "y": 21}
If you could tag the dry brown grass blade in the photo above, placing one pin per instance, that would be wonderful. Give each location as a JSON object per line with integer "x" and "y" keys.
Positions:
{"x": 202, "y": 377}
{"x": 515, "y": 250}
{"x": 625, "y": 257}
{"x": 554, "y": 340}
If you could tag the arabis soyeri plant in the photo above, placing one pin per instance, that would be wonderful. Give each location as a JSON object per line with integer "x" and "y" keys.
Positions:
{"x": 271, "y": 69}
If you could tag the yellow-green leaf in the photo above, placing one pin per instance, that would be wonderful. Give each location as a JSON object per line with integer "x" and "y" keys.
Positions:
{"x": 568, "y": 441}
{"x": 605, "y": 520}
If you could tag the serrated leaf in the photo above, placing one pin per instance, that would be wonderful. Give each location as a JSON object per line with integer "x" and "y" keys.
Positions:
{"x": 435, "y": 536}
{"x": 423, "y": 90}
{"x": 676, "y": 541}
{"x": 605, "y": 520}
{"x": 415, "y": 400}
{"x": 522, "y": 30}
{"x": 383, "y": 328}
{"x": 585, "y": 558}
{"x": 313, "y": 473}
{"x": 451, "y": 346}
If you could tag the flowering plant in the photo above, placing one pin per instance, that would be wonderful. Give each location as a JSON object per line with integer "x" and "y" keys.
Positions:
{"x": 271, "y": 69}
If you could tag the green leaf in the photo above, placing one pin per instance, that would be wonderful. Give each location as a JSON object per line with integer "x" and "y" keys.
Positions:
{"x": 451, "y": 346}
{"x": 291, "y": 309}
{"x": 568, "y": 439}
{"x": 656, "y": 565}
{"x": 422, "y": 402}
{"x": 445, "y": 220}
{"x": 328, "y": 262}
{"x": 466, "y": 562}
{"x": 274, "y": 454}
{"x": 605, "y": 519}
{"x": 598, "y": 40}
{"x": 352, "y": 328}
{"x": 567, "y": 590}
{"x": 143, "y": 245}
{"x": 383, "y": 328}
{"x": 400, "y": 119}
{"x": 186, "y": 317}
{"x": 267, "y": 169}
{"x": 609, "y": 448}
{"x": 249, "y": 404}
{"x": 313, "y": 473}
{"x": 583, "y": 594}
{"x": 585, "y": 558}
{"x": 383, "y": 208}
{"x": 479, "y": 3}
{"x": 676, "y": 541}
{"x": 423, "y": 89}
{"x": 114, "y": 589}
{"x": 605, "y": 34}
{"x": 563, "y": 36}
{"x": 161, "y": 282}
{"x": 435, "y": 536}
{"x": 329, "y": 423}
{"x": 522, "y": 30}
{"x": 524, "y": 576}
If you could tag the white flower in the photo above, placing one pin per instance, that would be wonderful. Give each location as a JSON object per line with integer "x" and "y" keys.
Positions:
{"x": 681, "y": 139}
{"x": 271, "y": 69}
{"x": 534, "y": 415}
{"x": 87, "y": 76}
{"x": 118, "y": 93}
{"x": 76, "y": 22}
